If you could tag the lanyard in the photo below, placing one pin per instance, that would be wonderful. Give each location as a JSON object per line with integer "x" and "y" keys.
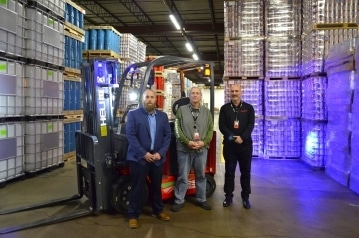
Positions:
{"x": 194, "y": 115}
{"x": 235, "y": 109}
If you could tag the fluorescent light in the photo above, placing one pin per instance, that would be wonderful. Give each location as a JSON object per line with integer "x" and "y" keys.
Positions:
{"x": 195, "y": 56}
{"x": 175, "y": 22}
{"x": 189, "y": 47}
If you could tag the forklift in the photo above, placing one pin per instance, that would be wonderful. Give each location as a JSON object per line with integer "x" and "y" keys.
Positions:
{"x": 101, "y": 146}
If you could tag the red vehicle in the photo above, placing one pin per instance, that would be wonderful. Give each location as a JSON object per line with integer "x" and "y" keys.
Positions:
{"x": 122, "y": 187}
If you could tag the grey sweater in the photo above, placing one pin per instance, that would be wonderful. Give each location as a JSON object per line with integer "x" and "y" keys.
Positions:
{"x": 184, "y": 127}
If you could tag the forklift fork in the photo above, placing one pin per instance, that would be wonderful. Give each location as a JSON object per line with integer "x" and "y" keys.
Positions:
{"x": 86, "y": 149}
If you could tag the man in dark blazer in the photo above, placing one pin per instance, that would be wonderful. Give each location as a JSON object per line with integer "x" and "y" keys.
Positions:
{"x": 149, "y": 135}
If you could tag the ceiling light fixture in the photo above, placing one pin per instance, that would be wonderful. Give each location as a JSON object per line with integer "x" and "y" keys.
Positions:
{"x": 189, "y": 47}
{"x": 175, "y": 22}
{"x": 195, "y": 56}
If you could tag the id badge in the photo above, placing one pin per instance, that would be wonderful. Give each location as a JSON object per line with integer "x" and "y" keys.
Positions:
{"x": 196, "y": 136}
{"x": 236, "y": 124}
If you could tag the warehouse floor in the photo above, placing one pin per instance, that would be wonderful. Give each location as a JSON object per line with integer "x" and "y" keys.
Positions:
{"x": 288, "y": 198}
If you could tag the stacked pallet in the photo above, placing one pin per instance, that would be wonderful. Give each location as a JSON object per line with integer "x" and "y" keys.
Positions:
{"x": 342, "y": 77}
{"x": 31, "y": 67}
{"x": 325, "y": 24}
{"x": 72, "y": 109}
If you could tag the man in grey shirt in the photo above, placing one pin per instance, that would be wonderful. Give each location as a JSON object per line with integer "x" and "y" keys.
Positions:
{"x": 194, "y": 131}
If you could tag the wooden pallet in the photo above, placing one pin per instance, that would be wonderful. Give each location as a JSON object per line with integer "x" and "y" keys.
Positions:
{"x": 160, "y": 93}
{"x": 282, "y": 78}
{"x": 72, "y": 74}
{"x": 226, "y": 39}
{"x": 69, "y": 32}
{"x": 73, "y": 112}
{"x": 280, "y": 158}
{"x": 100, "y": 54}
{"x": 71, "y": 28}
{"x": 76, "y": 6}
{"x": 69, "y": 156}
{"x": 72, "y": 71}
{"x": 73, "y": 118}
{"x": 158, "y": 74}
{"x": 243, "y": 78}
{"x": 72, "y": 78}
{"x": 331, "y": 26}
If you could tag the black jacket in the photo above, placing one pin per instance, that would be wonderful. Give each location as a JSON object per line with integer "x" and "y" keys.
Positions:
{"x": 228, "y": 114}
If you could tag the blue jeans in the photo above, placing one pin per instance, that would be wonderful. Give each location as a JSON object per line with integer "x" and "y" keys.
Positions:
{"x": 187, "y": 160}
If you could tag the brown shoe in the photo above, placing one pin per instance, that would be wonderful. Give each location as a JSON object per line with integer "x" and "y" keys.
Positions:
{"x": 133, "y": 223}
{"x": 162, "y": 216}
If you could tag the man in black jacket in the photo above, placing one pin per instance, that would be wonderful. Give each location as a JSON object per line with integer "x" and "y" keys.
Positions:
{"x": 236, "y": 123}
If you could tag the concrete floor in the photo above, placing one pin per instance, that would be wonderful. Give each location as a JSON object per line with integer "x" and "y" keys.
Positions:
{"x": 288, "y": 200}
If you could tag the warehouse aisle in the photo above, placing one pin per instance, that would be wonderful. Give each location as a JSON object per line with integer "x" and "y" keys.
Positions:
{"x": 288, "y": 200}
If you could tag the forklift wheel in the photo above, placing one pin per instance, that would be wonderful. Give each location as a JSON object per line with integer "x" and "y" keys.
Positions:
{"x": 120, "y": 198}
{"x": 211, "y": 185}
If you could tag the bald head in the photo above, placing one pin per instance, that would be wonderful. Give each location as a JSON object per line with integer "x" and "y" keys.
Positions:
{"x": 236, "y": 94}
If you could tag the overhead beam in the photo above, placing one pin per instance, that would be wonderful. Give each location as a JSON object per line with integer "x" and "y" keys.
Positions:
{"x": 211, "y": 57}
{"x": 141, "y": 16}
{"x": 205, "y": 28}
{"x": 98, "y": 10}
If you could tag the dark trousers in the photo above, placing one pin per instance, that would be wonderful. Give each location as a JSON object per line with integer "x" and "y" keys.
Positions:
{"x": 241, "y": 154}
{"x": 138, "y": 175}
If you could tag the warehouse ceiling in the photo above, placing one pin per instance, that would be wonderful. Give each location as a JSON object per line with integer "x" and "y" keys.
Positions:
{"x": 148, "y": 20}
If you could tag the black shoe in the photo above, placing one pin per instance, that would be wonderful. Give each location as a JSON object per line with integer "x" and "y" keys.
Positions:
{"x": 246, "y": 204}
{"x": 176, "y": 207}
{"x": 227, "y": 202}
{"x": 204, "y": 205}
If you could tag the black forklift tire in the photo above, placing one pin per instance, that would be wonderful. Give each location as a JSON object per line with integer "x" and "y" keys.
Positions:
{"x": 210, "y": 186}
{"x": 120, "y": 197}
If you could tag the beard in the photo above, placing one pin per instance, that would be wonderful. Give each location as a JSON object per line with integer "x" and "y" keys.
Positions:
{"x": 150, "y": 107}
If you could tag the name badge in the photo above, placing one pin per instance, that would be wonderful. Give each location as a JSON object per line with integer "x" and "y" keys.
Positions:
{"x": 236, "y": 124}
{"x": 196, "y": 136}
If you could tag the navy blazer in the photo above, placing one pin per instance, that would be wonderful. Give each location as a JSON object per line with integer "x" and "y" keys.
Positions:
{"x": 139, "y": 136}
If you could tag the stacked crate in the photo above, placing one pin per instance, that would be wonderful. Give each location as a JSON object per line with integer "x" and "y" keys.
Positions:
{"x": 282, "y": 43}
{"x": 174, "y": 94}
{"x": 339, "y": 65}
{"x": 282, "y": 85}
{"x": 129, "y": 51}
{"x": 132, "y": 51}
{"x": 72, "y": 102}
{"x": 43, "y": 84}
{"x": 282, "y": 123}
{"x": 244, "y": 58}
{"x": 128, "y": 55}
{"x": 325, "y": 23}
{"x": 43, "y": 144}
{"x": 141, "y": 51}
{"x": 11, "y": 119}
{"x": 12, "y": 30}
{"x": 314, "y": 120}
{"x": 159, "y": 86}
{"x": 252, "y": 94}
{"x": 243, "y": 49}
